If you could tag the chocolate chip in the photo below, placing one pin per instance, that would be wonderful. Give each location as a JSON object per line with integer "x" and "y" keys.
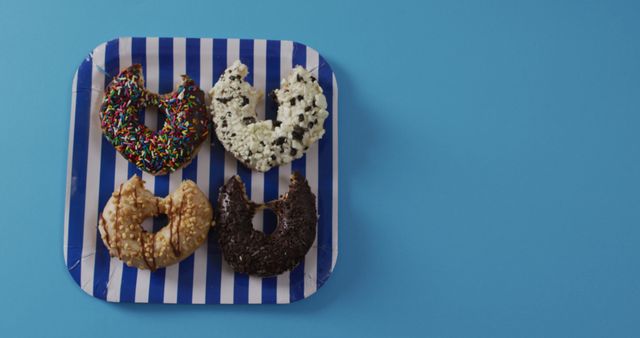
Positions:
{"x": 273, "y": 95}
{"x": 224, "y": 123}
{"x": 308, "y": 108}
{"x": 299, "y": 78}
{"x": 245, "y": 100}
{"x": 224, "y": 100}
{"x": 277, "y": 123}
{"x": 279, "y": 141}
{"x": 293, "y": 101}
{"x": 297, "y": 133}
{"x": 310, "y": 125}
{"x": 249, "y": 120}
{"x": 293, "y": 152}
{"x": 314, "y": 102}
{"x": 229, "y": 113}
{"x": 300, "y": 97}
{"x": 262, "y": 143}
{"x": 301, "y": 117}
{"x": 273, "y": 157}
{"x": 233, "y": 135}
{"x": 313, "y": 79}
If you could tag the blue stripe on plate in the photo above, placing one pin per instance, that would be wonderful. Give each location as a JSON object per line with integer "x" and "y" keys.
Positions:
{"x": 107, "y": 177}
{"x": 270, "y": 284}
{"x": 190, "y": 172}
{"x": 296, "y": 278}
{"x": 78, "y": 180}
{"x": 241, "y": 281}
{"x": 325, "y": 174}
{"x": 156, "y": 285}
{"x": 216, "y": 180}
{"x": 129, "y": 274}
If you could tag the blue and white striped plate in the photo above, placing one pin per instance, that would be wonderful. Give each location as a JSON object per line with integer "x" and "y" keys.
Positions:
{"x": 95, "y": 169}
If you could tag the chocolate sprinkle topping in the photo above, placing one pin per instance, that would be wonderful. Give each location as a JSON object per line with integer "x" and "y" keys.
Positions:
{"x": 185, "y": 127}
{"x": 253, "y": 252}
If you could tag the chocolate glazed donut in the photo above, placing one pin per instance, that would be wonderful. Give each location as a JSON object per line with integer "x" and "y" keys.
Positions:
{"x": 254, "y": 252}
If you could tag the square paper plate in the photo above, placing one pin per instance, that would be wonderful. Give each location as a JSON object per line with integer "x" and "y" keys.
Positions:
{"x": 95, "y": 169}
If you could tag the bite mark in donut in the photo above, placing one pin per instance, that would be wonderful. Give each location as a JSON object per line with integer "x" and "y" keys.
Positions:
{"x": 261, "y": 145}
{"x": 254, "y": 252}
{"x": 171, "y": 147}
{"x": 121, "y": 231}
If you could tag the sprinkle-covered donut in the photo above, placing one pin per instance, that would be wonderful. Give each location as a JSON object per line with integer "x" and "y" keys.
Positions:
{"x": 189, "y": 216}
{"x": 253, "y": 252}
{"x": 262, "y": 145}
{"x": 170, "y": 148}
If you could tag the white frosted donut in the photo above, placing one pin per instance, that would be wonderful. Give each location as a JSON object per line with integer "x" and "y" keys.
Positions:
{"x": 262, "y": 145}
{"x": 189, "y": 216}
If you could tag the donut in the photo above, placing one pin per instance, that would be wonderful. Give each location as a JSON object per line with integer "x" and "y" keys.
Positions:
{"x": 163, "y": 151}
{"x": 261, "y": 145}
{"x": 189, "y": 216}
{"x": 253, "y": 252}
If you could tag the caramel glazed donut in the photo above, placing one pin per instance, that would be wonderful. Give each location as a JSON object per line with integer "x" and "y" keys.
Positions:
{"x": 186, "y": 125}
{"x": 189, "y": 216}
{"x": 253, "y": 252}
{"x": 261, "y": 145}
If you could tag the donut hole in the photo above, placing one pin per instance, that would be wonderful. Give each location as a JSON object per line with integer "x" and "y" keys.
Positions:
{"x": 153, "y": 224}
{"x": 269, "y": 220}
{"x": 152, "y": 118}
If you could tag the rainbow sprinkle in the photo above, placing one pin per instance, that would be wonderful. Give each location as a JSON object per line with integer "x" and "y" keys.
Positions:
{"x": 185, "y": 127}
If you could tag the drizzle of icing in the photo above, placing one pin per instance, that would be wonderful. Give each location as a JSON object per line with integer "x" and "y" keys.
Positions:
{"x": 176, "y": 246}
{"x": 103, "y": 223}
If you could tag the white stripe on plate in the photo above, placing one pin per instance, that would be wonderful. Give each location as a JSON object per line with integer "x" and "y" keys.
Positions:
{"x": 152, "y": 84}
{"x": 286, "y": 56}
{"x": 311, "y": 259}
{"x": 257, "y": 178}
{"x": 200, "y": 256}
{"x": 67, "y": 193}
{"x": 93, "y": 172}
{"x": 121, "y": 167}
{"x": 230, "y": 169}
{"x": 179, "y": 68}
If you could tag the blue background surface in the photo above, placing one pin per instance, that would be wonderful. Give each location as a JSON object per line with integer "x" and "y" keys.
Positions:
{"x": 489, "y": 167}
